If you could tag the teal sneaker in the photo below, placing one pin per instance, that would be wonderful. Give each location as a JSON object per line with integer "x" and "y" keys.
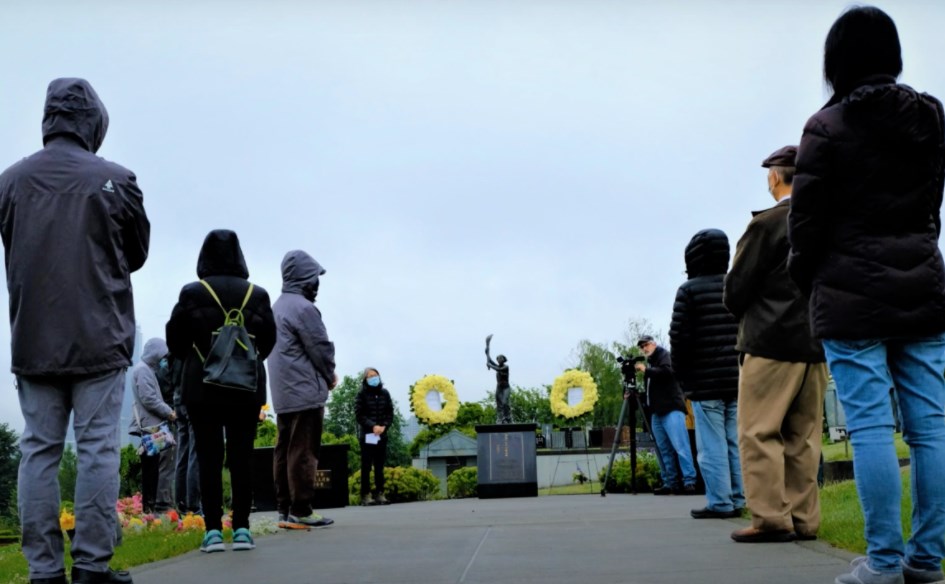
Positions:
{"x": 212, "y": 542}
{"x": 243, "y": 540}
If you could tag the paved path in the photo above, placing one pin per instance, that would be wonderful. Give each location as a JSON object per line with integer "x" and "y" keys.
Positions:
{"x": 580, "y": 539}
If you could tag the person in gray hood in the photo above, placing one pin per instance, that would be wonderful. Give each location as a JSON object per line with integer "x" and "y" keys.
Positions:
{"x": 74, "y": 229}
{"x": 149, "y": 410}
{"x": 301, "y": 372}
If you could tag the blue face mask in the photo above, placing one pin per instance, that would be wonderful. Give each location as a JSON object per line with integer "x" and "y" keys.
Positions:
{"x": 374, "y": 381}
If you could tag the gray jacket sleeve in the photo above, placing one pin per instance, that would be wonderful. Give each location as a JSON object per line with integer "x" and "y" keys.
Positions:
{"x": 314, "y": 338}
{"x": 148, "y": 394}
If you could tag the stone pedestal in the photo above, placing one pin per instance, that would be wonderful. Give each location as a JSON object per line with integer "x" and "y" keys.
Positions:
{"x": 506, "y": 461}
{"x": 331, "y": 479}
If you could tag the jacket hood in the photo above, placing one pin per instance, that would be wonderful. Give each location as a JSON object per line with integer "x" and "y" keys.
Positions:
{"x": 300, "y": 272}
{"x": 221, "y": 255}
{"x": 896, "y": 113}
{"x": 154, "y": 350}
{"x": 707, "y": 253}
{"x": 74, "y": 109}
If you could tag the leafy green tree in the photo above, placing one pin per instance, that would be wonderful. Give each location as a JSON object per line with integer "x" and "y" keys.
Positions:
{"x": 9, "y": 463}
{"x": 340, "y": 419}
{"x": 529, "y": 405}
{"x": 398, "y": 453}
{"x": 68, "y": 471}
{"x": 130, "y": 471}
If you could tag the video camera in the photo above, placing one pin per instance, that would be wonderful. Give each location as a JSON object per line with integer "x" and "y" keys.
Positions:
{"x": 627, "y": 368}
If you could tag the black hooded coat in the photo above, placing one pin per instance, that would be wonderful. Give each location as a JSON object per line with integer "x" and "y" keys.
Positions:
{"x": 703, "y": 331}
{"x": 197, "y": 315}
{"x": 74, "y": 229}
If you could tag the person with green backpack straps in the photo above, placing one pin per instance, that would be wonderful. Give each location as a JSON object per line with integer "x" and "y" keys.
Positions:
{"x": 223, "y": 328}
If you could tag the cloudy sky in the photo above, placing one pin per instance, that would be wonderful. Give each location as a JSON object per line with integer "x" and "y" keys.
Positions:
{"x": 531, "y": 169}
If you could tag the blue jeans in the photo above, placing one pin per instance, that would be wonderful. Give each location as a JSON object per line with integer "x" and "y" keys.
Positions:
{"x": 865, "y": 371}
{"x": 672, "y": 440}
{"x": 717, "y": 445}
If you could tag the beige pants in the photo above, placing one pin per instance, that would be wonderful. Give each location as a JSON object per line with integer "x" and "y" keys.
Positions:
{"x": 780, "y": 423}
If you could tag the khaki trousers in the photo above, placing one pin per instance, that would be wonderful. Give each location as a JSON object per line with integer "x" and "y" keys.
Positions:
{"x": 780, "y": 423}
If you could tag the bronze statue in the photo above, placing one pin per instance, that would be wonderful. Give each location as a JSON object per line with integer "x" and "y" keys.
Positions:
{"x": 502, "y": 388}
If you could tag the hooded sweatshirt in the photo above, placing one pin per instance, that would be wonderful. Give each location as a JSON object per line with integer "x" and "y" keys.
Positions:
{"x": 197, "y": 315}
{"x": 302, "y": 366}
{"x": 150, "y": 407}
{"x": 865, "y": 215}
{"x": 74, "y": 229}
{"x": 703, "y": 331}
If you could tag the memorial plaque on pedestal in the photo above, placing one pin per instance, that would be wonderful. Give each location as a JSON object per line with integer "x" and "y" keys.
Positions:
{"x": 506, "y": 461}
{"x": 331, "y": 478}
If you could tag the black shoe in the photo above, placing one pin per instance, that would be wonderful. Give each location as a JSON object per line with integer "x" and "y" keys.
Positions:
{"x": 706, "y": 513}
{"x": 688, "y": 490}
{"x": 80, "y": 576}
{"x": 664, "y": 490}
{"x": 752, "y": 535}
{"x": 53, "y": 580}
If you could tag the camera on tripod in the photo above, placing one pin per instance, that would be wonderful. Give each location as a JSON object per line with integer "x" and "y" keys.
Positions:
{"x": 627, "y": 368}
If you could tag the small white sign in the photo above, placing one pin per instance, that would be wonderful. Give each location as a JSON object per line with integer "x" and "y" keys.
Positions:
{"x": 434, "y": 400}
{"x": 372, "y": 439}
{"x": 575, "y": 396}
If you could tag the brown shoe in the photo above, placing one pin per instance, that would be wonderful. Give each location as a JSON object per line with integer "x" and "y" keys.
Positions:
{"x": 753, "y": 535}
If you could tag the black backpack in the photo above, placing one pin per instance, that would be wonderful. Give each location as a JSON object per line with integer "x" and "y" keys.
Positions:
{"x": 232, "y": 359}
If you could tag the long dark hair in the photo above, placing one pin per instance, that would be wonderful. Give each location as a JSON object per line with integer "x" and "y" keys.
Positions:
{"x": 862, "y": 42}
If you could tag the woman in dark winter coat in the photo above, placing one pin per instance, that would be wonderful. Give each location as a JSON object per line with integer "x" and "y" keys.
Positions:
{"x": 864, "y": 228}
{"x": 213, "y": 409}
{"x": 703, "y": 334}
{"x": 374, "y": 411}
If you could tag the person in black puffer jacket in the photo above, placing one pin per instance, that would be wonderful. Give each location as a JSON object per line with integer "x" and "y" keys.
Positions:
{"x": 215, "y": 409}
{"x": 374, "y": 412}
{"x": 703, "y": 334}
{"x": 864, "y": 229}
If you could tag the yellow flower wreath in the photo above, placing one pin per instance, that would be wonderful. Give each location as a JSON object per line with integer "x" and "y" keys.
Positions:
{"x": 418, "y": 398}
{"x": 559, "y": 394}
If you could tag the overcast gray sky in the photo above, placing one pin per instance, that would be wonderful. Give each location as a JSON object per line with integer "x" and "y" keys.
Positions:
{"x": 532, "y": 169}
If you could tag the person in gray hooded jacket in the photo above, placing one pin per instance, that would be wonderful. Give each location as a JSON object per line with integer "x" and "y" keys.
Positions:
{"x": 149, "y": 410}
{"x": 74, "y": 229}
{"x": 301, "y": 373}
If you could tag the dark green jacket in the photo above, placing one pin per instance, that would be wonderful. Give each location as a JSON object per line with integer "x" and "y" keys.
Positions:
{"x": 773, "y": 315}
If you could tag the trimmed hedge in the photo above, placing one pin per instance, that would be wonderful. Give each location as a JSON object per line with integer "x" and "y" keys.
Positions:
{"x": 648, "y": 474}
{"x": 402, "y": 484}
{"x": 462, "y": 483}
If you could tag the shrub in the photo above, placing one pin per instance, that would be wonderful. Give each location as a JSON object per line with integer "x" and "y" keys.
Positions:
{"x": 648, "y": 473}
{"x": 130, "y": 471}
{"x": 265, "y": 434}
{"x": 402, "y": 484}
{"x": 462, "y": 483}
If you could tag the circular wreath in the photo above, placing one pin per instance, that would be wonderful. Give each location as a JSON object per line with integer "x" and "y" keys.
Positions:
{"x": 418, "y": 398}
{"x": 559, "y": 394}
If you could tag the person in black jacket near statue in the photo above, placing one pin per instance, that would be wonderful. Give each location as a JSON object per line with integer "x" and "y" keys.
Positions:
{"x": 668, "y": 419}
{"x": 374, "y": 412}
{"x": 703, "y": 334}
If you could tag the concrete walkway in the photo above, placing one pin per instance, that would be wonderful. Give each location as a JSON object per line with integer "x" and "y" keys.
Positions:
{"x": 579, "y": 539}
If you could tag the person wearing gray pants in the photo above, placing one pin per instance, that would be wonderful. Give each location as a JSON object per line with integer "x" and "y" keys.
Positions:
{"x": 74, "y": 229}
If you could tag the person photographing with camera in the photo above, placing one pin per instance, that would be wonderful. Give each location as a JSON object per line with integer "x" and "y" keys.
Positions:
{"x": 668, "y": 419}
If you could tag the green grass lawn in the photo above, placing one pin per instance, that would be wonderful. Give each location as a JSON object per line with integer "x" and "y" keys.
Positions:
{"x": 588, "y": 488}
{"x": 137, "y": 548}
{"x": 844, "y": 451}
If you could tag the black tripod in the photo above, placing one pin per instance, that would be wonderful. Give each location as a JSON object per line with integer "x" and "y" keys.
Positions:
{"x": 631, "y": 402}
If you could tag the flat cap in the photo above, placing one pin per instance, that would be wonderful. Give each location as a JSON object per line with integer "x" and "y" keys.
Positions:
{"x": 781, "y": 157}
{"x": 644, "y": 340}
